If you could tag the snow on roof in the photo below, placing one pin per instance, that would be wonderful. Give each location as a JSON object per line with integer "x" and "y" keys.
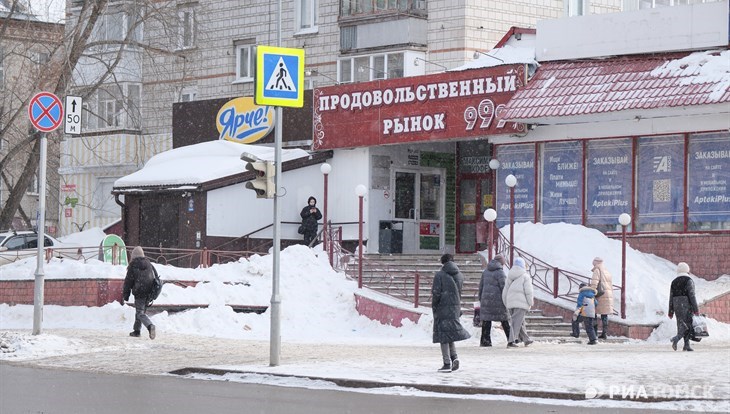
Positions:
{"x": 200, "y": 163}
{"x": 505, "y": 55}
{"x": 704, "y": 67}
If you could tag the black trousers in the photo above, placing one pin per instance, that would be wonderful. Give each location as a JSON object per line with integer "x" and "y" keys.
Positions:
{"x": 486, "y": 338}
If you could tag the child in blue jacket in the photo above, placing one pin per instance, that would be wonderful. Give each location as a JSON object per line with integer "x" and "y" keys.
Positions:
{"x": 585, "y": 312}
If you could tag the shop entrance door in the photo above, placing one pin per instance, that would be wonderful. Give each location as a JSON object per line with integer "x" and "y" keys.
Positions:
{"x": 475, "y": 196}
{"x": 419, "y": 205}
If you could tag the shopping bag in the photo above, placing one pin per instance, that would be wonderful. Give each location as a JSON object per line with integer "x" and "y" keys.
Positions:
{"x": 699, "y": 326}
{"x": 477, "y": 320}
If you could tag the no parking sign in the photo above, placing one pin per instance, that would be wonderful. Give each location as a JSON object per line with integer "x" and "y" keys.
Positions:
{"x": 45, "y": 111}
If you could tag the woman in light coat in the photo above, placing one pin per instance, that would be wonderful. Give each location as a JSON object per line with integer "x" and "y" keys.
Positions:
{"x": 517, "y": 296}
{"x": 605, "y": 301}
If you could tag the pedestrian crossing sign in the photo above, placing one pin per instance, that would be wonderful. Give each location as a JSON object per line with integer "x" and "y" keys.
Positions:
{"x": 279, "y": 76}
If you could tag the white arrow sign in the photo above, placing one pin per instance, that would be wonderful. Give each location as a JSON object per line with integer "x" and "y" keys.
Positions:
{"x": 73, "y": 115}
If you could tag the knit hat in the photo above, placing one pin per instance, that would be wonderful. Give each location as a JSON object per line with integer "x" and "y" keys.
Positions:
{"x": 597, "y": 260}
{"x": 582, "y": 285}
{"x": 137, "y": 252}
{"x": 682, "y": 267}
{"x": 520, "y": 262}
{"x": 499, "y": 257}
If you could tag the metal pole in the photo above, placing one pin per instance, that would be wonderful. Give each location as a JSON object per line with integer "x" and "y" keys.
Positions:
{"x": 39, "y": 286}
{"x": 489, "y": 242}
{"x": 623, "y": 272}
{"x": 275, "y": 339}
{"x": 359, "y": 249}
{"x": 326, "y": 237}
{"x": 511, "y": 225}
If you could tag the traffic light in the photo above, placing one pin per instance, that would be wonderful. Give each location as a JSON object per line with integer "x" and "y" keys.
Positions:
{"x": 263, "y": 184}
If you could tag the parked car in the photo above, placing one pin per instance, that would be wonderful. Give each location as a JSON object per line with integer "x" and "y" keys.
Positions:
{"x": 18, "y": 245}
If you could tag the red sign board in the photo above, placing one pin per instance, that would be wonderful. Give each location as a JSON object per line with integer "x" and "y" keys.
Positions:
{"x": 435, "y": 107}
{"x": 68, "y": 188}
{"x": 68, "y": 212}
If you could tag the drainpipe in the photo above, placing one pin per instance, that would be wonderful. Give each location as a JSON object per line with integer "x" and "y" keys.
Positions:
{"x": 124, "y": 222}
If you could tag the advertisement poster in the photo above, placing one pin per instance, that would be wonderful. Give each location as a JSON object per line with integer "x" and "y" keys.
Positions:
{"x": 709, "y": 173}
{"x": 608, "y": 189}
{"x": 562, "y": 194}
{"x": 661, "y": 180}
{"x": 518, "y": 160}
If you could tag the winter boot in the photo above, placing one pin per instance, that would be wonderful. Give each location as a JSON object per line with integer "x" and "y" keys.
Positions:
{"x": 134, "y": 334}
{"x": 674, "y": 340}
{"x": 152, "y": 331}
{"x": 511, "y": 345}
{"x": 445, "y": 368}
{"x": 604, "y": 322}
{"x": 686, "y": 346}
{"x": 455, "y": 364}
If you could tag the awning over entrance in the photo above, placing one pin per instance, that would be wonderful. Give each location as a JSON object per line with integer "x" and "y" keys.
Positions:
{"x": 623, "y": 88}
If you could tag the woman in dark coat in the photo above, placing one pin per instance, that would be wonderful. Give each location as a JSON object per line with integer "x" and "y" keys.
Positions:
{"x": 490, "y": 298}
{"x": 683, "y": 303}
{"x": 446, "y": 305}
{"x": 310, "y": 215}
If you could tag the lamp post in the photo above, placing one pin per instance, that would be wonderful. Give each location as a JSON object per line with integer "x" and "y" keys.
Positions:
{"x": 511, "y": 182}
{"x": 624, "y": 220}
{"x": 326, "y": 168}
{"x": 490, "y": 215}
{"x": 360, "y": 190}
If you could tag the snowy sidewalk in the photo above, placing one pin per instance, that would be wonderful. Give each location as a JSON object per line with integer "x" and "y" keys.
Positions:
{"x": 634, "y": 371}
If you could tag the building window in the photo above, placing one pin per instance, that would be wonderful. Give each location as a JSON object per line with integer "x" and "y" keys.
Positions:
{"x": 358, "y": 7}
{"x": 652, "y": 4}
{"x": 372, "y": 67}
{"x": 34, "y": 185}
{"x": 104, "y": 204}
{"x": 108, "y": 32}
{"x": 660, "y": 187}
{"x": 708, "y": 175}
{"x": 116, "y": 106}
{"x": 245, "y": 61}
{"x": 307, "y": 16}
{"x": 187, "y": 27}
{"x": 576, "y": 7}
{"x": 188, "y": 94}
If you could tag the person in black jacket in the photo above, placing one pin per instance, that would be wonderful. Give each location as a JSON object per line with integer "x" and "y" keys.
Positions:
{"x": 310, "y": 215}
{"x": 139, "y": 281}
{"x": 446, "y": 306}
{"x": 683, "y": 304}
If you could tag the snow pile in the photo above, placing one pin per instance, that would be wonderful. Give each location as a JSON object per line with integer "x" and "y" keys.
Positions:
{"x": 711, "y": 66}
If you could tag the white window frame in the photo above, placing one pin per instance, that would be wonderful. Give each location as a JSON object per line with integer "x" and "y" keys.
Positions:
{"x": 574, "y": 8}
{"x": 309, "y": 23}
{"x": 117, "y": 109}
{"x": 373, "y": 72}
{"x": 182, "y": 27}
{"x": 188, "y": 94}
{"x": 248, "y": 77}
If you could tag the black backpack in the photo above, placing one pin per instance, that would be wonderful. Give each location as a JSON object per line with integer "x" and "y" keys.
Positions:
{"x": 156, "y": 287}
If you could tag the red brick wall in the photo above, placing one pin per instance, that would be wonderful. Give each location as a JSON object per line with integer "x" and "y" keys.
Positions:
{"x": 718, "y": 308}
{"x": 616, "y": 327}
{"x": 385, "y": 314}
{"x": 65, "y": 292}
{"x": 706, "y": 254}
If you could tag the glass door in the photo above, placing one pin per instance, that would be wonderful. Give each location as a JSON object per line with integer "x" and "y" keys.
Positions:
{"x": 419, "y": 205}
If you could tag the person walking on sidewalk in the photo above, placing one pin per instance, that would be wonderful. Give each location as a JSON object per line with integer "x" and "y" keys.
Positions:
{"x": 605, "y": 300}
{"x": 139, "y": 281}
{"x": 517, "y": 297}
{"x": 585, "y": 312}
{"x": 446, "y": 305}
{"x": 683, "y": 303}
{"x": 490, "y": 299}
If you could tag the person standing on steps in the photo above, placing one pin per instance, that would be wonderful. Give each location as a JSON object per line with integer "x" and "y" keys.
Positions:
{"x": 683, "y": 304}
{"x": 605, "y": 300}
{"x": 310, "y": 215}
{"x": 517, "y": 296}
{"x": 490, "y": 298}
{"x": 139, "y": 281}
{"x": 446, "y": 306}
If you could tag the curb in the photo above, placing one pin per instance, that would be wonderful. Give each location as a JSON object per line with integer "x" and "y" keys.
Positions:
{"x": 443, "y": 389}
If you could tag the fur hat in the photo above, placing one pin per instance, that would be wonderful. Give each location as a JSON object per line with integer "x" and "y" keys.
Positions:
{"x": 137, "y": 252}
{"x": 447, "y": 258}
{"x": 682, "y": 267}
{"x": 499, "y": 257}
{"x": 520, "y": 262}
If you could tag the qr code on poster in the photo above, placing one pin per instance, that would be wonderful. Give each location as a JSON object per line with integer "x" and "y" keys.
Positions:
{"x": 662, "y": 191}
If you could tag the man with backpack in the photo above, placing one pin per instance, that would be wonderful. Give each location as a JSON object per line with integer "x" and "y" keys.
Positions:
{"x": 140, "y": 281}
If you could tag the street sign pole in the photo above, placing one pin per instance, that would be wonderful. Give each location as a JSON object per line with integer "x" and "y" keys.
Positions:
{"x": 275, "y": 340}
{"x": 45, "y": 112}
{"x": 41, "y": 230}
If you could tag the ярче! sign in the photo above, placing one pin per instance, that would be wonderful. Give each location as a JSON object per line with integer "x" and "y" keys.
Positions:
{"x": 416, "y": 109}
